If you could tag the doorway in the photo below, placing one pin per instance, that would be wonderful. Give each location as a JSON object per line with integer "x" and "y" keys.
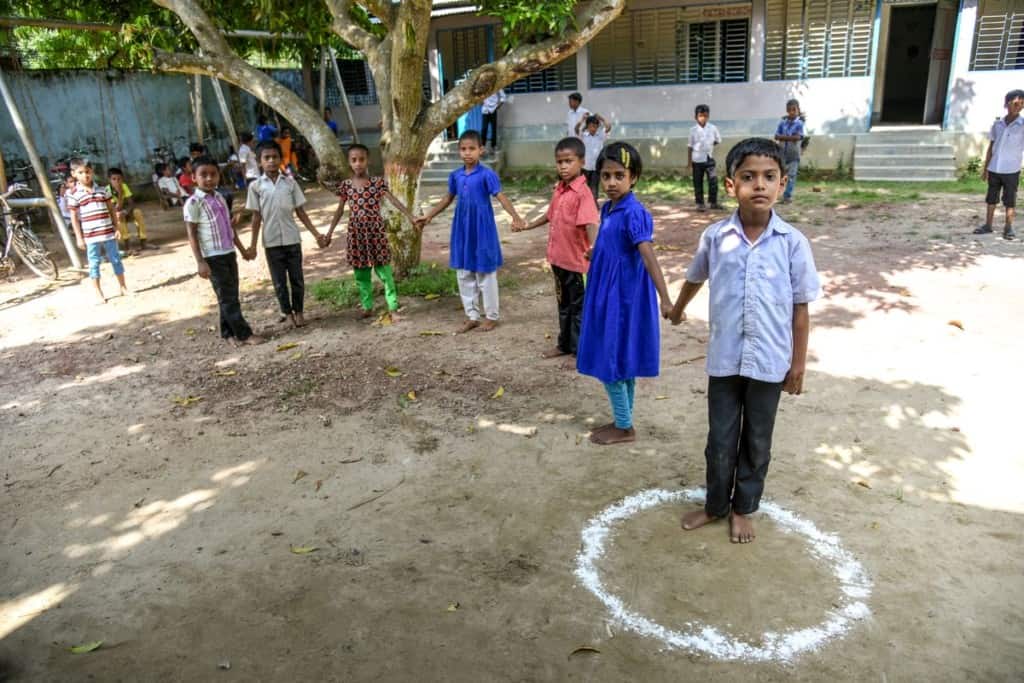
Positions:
{"x": 907, "y": 64}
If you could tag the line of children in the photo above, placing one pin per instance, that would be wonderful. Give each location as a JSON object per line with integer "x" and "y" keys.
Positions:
{"x": 1003, "y": 161}
{"x": 92, "y": 218}
{"x": 573, "y": 217}
{"x": 367, "y": 248}
{"x": 475, "y": 251}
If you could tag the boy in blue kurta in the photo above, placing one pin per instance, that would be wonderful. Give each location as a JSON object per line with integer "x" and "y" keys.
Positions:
{"x": 475, "y": 251}
{"x": 619, "y": 335}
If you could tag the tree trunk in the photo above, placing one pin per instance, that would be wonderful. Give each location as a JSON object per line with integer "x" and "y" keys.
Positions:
{"x": 402, "y": 172}
{"x": 307, "y": 78}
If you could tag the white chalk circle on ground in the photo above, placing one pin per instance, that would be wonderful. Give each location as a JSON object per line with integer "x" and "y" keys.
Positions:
{"x": 854, "y": 584}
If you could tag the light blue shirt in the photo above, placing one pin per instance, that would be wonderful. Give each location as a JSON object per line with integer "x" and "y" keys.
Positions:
{"x": 754, "y": 287}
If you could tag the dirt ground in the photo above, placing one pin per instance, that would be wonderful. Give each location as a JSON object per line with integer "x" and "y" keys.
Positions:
{"x": 447, "y": 527}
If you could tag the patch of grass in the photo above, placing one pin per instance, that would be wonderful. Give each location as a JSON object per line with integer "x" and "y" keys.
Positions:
{"x": 424, "y": 279}
{"x": 428, "y": 278}
{"x": 340, "y": 292}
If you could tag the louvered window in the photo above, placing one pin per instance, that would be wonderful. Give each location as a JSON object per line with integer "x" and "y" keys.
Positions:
{"x": 817, "y": 38}
{"x": 462, "y": 50}
{"x": 561, "y": 76}
{"x": 706, "y": 44}
{"x": 999, "y": 36}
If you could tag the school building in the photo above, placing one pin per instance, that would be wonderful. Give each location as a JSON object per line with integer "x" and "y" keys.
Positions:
{"x": 871, "y": 76}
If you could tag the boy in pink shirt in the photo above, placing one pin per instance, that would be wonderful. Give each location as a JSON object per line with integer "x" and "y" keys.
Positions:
{"x": 574, "y": 219}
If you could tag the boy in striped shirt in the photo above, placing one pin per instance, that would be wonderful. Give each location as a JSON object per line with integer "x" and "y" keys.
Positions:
{"x": 92, "y": 217}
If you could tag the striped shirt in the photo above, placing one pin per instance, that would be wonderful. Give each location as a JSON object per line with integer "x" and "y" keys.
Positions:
{"x": 209, "y": 212}
{"x": 93, "y": 209}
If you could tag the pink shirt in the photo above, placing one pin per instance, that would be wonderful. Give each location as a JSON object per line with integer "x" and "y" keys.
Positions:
{"x": 572, "y": 209}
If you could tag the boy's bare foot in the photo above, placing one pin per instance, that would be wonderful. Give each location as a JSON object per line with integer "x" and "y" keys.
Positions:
{"x": 612, "y": 435}
{"x": 298, "y": 320}
{"x": 553, "y": 353}
{"x": 488, "y": 325}
{"x": 696, "y": 519}
{"x": 125, "y": 291}
{"x": 467, "y": 326}
{"x": 741, "y": 528}
{"x": 252, "y": 340}
{"x": 393, "y": 317}
{"x": 366, "y": 313}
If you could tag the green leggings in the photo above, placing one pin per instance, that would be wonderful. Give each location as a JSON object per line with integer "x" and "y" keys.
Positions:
{"x": 365, "y": 282}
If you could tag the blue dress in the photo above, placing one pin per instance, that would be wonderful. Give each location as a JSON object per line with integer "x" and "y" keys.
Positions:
{"x": 620, "y": 332}
{"x": 474, "y": 242}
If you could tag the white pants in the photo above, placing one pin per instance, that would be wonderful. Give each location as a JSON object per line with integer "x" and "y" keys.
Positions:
{"x": 472, "y": 286}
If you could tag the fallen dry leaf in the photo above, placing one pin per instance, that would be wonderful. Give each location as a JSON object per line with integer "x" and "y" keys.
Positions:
{"x": 299, "y": 475}
{"x": 660, "y": 398}
{"x": 431, "y": 333}
{"x": 225, "y": 373}
{"x": 318, "y": 484}
{"x": 453, "y": 606}
{"x": 411, "y": 396}
{"x": 431, "y": 297}
{"x": 957, "y": 324}
{"x": 392, "y": 372}
{"x": 303, "y": 549}
{"x": 499, "y": 393}
{"x": 295, "y": 356}
{"x": 286, "y": 346}
{"x": 585, "y": 650}
{"x": 861, "y": 482}
{"x": 186, "y": 401}
{"x": 190, "y": 332}
{"x": 86, "y": 647}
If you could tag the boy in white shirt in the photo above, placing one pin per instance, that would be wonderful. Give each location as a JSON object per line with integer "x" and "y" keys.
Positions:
{"x": 170, "y": 187}
{"x": 247, "y": 158}
{"x": 576, "y": 114}
{"x": 1003, "y": 163}
{"x": 594, "y": 135}
{"x": 701, "y": 148}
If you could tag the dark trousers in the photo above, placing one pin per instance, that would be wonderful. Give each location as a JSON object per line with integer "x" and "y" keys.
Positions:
{"x": 569, "y": 292}
{"x": 224, "y": 278}
{"x": 285, "y": 265}
{"x": 741, "y": 417}
{"x": 490, "y": 121}
{"x": 593, "y": 179}
{"x": 699, "y": 170}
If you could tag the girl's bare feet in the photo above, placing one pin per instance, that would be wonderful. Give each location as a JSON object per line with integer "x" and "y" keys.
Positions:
{"x": 393, "y": 317}
{"x": 741, "y": 528}
{"x": 252, "y": 340}
{"x": 366, "y": 313}
{"x": 612, "y": 435}
{"x": 696, "y": 519}
{"x": 298, "y": 320}
{"x": 553, "y": 353}
{"x": 467, "y": 326}
{"x": 488, "y": 325}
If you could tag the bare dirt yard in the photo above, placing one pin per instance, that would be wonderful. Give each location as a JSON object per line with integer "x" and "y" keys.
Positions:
{"x": 158, "y": 483}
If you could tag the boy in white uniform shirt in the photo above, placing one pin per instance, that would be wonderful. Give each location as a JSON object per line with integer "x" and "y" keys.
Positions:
{"x": 575, "y": 115}
{"x": 703, "y": 138}
{"x": 595, "y": 132}
{"x": 1003, "y": 162}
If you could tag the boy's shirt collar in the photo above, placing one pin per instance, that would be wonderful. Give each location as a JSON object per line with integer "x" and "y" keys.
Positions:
{"x": 575, "y": 184}
{"x": 775, "y": 224}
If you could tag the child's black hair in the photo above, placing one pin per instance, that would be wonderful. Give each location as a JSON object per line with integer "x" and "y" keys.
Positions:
{"x": 572, "y": 144}
{"x": 267, "y": 144}
{"x": 702, "y": 109}
{"x": 261, "y": 119}
{"x": 793, "y": 103}
{"x": 197, "y": 147}
{"x": 591, "y": 119}
{"x": 576, "y": 96}
{"x": 472, "y": 135}
{"x": 753, "y": 147}
{"x": 78, "y": 163}
{"x": 356, "y": 145}
{"x": 160, "y": 168}
{"x": 184, "y": 160}
{"x": 204, "y": 160}
{"x": 622, "y": 153}
{"x": 114, "y": 170}
{"x": 1012, "y": 95}
{"x": 246, "y": 138}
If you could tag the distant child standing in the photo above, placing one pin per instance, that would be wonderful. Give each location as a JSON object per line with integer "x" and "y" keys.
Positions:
{"x": 790, "y": 133}
{"x": 124, "y": 208}
{"x": 92, "y": 217}
{"x": 762, "y": 277}
{"x": 700, "y": 150}
{"x": 247, "y": 158}
{"x": 213, "y": 240}
{"x": 489, "y": 108}
{"x": 367, "y": 247}
{"x": 594, "y": 134}
{"x": 274, "y": 198}
{"x": 264, "y": 131}
{"x": 576, "y": 114}
{"x": 475, "y": 251}
{"x": 1003, "y": 162}
{"x": 185, "y": 179}
{"x": 574, "y": 218}
{"x": 620, "y": 334}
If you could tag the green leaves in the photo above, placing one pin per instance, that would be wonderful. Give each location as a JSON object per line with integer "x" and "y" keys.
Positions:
{"x": 529, "y": 21}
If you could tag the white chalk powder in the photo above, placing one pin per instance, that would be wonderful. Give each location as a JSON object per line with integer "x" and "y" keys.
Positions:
{"x": 855, "y": 586}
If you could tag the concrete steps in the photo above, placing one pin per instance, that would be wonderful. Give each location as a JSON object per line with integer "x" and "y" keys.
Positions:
{"x": 909, "y": 154}
{"x": 443, "y": 158}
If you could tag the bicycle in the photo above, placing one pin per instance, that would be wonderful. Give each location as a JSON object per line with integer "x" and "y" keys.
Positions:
{"x": 26, "y": 244}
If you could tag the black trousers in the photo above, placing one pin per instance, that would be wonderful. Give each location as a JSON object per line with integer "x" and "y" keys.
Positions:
{"x": 699, "y": 170}
{"x": 224, "y": 278}
{"x": 285, "y": 265}
{"x": 593, "y": 180}
{"x": 741, "y": 418}
{"x": 569, "y": 292}
{"x": 490, "y": 121}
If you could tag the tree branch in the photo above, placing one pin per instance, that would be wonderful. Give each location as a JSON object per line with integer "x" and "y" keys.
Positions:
{"x": 384, "y": 10}
{"x": 522, "y": 61}
{"x": 206, "y": 32}
{"x": 348, "y": 30}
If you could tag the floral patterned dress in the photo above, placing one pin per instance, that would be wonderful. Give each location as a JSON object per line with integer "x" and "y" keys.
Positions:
{"x": 367, "y": 237}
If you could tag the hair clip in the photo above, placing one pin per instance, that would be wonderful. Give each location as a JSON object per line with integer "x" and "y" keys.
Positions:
{"x": 624, "y": 156}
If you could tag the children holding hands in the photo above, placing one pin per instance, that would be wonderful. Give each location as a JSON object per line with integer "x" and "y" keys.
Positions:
{"x": 762, "y": 277}
{"x": 367, "y": 245}
{"x": 573, "y": 217}
{"x": 475, "y": 251}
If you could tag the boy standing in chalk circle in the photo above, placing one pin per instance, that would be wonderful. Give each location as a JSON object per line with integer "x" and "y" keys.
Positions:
{"x": 762, "y": 277}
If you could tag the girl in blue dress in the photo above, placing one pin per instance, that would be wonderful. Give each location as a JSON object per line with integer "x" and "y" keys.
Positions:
{"x": 619, "y": 335}
{"x": 475, "y": 251}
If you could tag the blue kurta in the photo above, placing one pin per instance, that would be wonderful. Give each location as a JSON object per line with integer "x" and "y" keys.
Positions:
{"x": 474, "y": 242}
{"x": 620, "y": 332}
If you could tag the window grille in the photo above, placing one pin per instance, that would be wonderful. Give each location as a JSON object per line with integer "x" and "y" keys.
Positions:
{"x": 817, "y": 38}
{"x": 999, "y": 36}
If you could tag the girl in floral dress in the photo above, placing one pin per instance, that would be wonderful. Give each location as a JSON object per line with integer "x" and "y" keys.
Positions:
{"x": 367, "y": 246}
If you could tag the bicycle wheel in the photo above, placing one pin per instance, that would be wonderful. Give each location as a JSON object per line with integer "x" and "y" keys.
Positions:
{"x": 33, "y": 252}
